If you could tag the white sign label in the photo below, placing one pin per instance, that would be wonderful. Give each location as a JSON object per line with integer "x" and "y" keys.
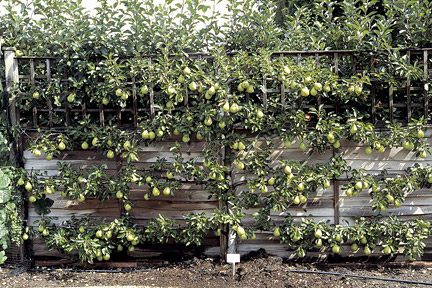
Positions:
{"x": 233, "y": 258}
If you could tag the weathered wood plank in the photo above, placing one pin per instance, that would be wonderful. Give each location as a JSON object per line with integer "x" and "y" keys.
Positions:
{"x": 403, "y": 210}
{"x": 140, "y": 214}
{"x": 70, "y": 155}
{"x": 376, "y": 167}
{"x": 364, "y": 201}
{"x": 351, "y": 219}
{"x": 319, "y": 194}
{"x": 45, "y": 165}
{"x": 299, "y": 211}
{"x": 248, "y": 220}
{"x": 179, "y": 195}
{"x": 173, "y": 206}
{"x": 393, "y": 154}
{"x": 191, "y": 147}
{"x": 154, "y": 156}
{"x": 63, "y": 215}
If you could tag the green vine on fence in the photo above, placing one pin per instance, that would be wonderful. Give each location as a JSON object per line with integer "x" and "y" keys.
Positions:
{"x": 141, "y": 54}
{"x": 11, "y": 223}
{"x": 278, "y": 189}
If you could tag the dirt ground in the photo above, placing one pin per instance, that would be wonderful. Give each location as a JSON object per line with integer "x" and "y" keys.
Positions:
{"x": 259, "y": 271}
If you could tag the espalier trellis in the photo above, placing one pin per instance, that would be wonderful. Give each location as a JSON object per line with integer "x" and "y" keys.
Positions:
{"x": 233, "y": 113}
{"x": 242, "y": 105}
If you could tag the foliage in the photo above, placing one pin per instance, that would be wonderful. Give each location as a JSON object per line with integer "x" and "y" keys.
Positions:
{"x": 67, "y": 30}
{"x": 140, "y": 54}
{"x": 11, "y": 223}
{"x": 365, "y": 234}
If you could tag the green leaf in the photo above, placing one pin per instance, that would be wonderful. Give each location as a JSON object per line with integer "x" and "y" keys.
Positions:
{"x": 4, "y": 196}
{"x": 3, "y": 232}
{"x": 41, "y": 205}
{"x": 4, "y": 180}
{"x": 3, "y": 257}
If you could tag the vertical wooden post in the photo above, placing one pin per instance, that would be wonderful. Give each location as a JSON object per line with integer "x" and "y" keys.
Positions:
{"x": 231, "y": 238}
{"x": 50, "y": 101}
{"x": 32, "y": 81}
{"x": 408, "y": 91}
{"x": 425, "y": 88}
{"x": 11, "y": 65}
{"x": 336, "y": 62}
{"x": 66, "y": 104}
{"x": 232, "y": 242}
{"x": 300, "y": 99}
{"x": 354, "y": 63}
{"x": 68, "y": 116}
{"x": 102, "y": 114}
{"x": 135, "y": 102}
{"x": 336, "y": 196}
{"x": 319, "y": 94}
{"x": 186, "y": 98}
{"x": 336, "y": 202}
{"x": 283, "y": 91}
{"x": 391, "y": 105}
{"x": 152, "y": 110}
{"x": 1, "y": 56}
{"x": 119, "y": 116}
{"x": 12, "y": 80}
{"x": 186, "y": 95}
{"x": 84, "y": 107}
{"x": 223, "y": 238}
{"x": 336, "y": 67}
{"x": 373, "y": 96}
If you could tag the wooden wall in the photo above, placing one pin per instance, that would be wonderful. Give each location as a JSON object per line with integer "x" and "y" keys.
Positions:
{"x": 191, "y": 198}
{"x": 333, "y": 204}
{"x": 330, "y": 204}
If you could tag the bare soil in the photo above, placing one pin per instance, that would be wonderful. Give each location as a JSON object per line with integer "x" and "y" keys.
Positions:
{"x": 258, "y": 271}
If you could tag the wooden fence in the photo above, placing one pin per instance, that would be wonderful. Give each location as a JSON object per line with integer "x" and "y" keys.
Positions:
{"x": 329, "y": 204}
